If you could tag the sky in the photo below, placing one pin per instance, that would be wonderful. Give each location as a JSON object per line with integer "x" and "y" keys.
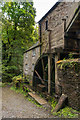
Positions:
{"x": 42, "y": 7}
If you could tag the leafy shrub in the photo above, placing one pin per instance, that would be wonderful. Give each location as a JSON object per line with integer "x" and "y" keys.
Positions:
{"x": 17, "y": 80}
{"x": 8, "y": 72}
{"x": 67, "y": 112}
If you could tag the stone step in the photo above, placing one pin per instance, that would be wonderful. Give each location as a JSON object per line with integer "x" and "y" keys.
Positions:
{"x": 40, "y": 100}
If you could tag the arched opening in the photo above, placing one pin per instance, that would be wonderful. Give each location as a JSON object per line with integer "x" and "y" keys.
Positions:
{"x": 40, "y": 75}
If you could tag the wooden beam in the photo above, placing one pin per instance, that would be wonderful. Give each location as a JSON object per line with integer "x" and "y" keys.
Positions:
{"x": 60, "y": 103}
{"x": 57, "y": 90}
{"x": 49, "y": 72}
{"x": 39, "y": 76}
{"x": 43, "y": 68}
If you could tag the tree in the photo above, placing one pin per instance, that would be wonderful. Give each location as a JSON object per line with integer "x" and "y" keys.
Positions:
{"x": 17, "y": 33}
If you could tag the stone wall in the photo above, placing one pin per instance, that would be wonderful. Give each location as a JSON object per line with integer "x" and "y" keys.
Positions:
{"x": 69, "y": 80}
{"x": 30, "y": 58}
{"x": 64, "y": 10}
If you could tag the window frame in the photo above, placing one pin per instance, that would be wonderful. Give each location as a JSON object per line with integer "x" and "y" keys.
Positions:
{"x": 46, "y": 25}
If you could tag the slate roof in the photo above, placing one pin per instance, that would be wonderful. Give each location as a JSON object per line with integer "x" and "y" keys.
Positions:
{"x": 34, "y": 46}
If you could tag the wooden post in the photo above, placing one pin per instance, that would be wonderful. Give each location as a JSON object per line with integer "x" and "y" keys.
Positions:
{"x": 49, "y": 72}
{"x": 61, "y": 102}
{"x": 64, "y": 29}
{"x": 57, "y": 90}
{"x": 43, "y": 68}
{"x": 49, "y": 64}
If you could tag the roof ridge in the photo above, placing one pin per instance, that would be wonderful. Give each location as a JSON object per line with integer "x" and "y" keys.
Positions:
{"x": 52, "y": 8}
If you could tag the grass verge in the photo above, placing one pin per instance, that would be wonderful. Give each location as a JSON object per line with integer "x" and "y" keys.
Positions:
{"x": 5, "y": 84}
{"x": 66, "y": 112}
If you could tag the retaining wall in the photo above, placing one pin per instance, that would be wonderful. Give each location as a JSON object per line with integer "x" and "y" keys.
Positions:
{"x": 69, "y": 80}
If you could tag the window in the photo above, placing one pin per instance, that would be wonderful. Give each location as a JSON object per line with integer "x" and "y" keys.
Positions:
{"x": 26, "y": 67}
{"x": 34, "y": 53}
{"x": 46, "y": 25}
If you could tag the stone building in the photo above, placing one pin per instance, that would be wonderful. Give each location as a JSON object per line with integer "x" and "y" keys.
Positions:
{"x": 59, "y": 35}
{"x": 30, "y": 58}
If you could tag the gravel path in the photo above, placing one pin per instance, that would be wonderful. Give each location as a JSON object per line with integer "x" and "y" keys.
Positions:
{"x": 15, "y": 105}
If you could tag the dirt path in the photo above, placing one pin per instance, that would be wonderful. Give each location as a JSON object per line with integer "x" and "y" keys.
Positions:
{"x": 15, "y": 105}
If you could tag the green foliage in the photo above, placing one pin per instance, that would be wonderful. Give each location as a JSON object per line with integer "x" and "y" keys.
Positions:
{"x": 8, "y": 72}
{"x": 5, "y": 84}
{"x": 25, "y": 89}
{"x": 66, "y": 112}
{"x": 70, "y": 56}
{"x": 69, "y": 64}
{"x": 27, "y": 78}
{"x": 17, "y": 80}
{"x": 2, "y": 84}
{"x": 18, "y": 34}
{"x": 53, "y": 103}
{"x": 19, "y": 90}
